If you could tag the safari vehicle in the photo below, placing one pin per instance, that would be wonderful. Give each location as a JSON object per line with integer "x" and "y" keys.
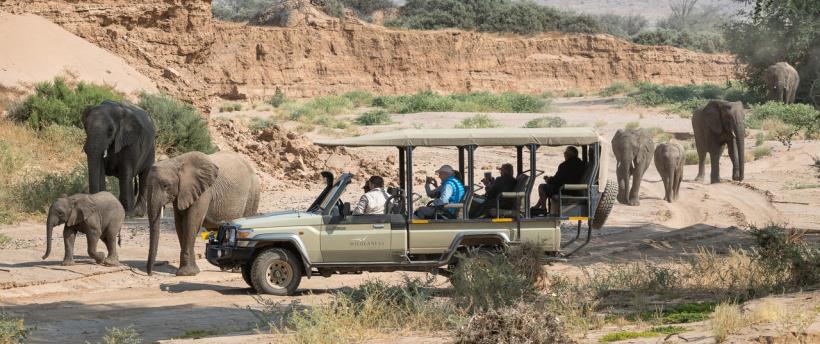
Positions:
{"x": 274, "y": 251}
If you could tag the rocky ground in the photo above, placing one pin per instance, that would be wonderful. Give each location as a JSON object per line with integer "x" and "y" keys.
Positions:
{"x": 77, "y": 303}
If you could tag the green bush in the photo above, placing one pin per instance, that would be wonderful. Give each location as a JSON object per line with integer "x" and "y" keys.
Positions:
{"x": 180, "y": 127}
{"x": 429, "y": 101}
{"x": 321, "y": 106}
{"x": 278, "y": 98}
{"x": 762, "y": 151}
{"x": 13, "y": 330}
{"x": 230, "y": 107}
{"x": 708, "y": 42}
{"x": 365, "y": 7}
{"x": 126, "y": 335}
{"x": 238, "y": 10}
{"x": 800, "y": 117}
{"x": 57, "y": 103}
{"x": 546, "y": 122}
{"x": 653, "y": 332}
{"x": 786, "y": 249}
{"x": 684, "y": 99}
{"x": 478, "y": 121}
{"x": 359, "y": 98}
{"x": 259, "y": 124}
{"x": 617, "y": 87}
{"x": 489, "y": 282}
{"x": 573, "y": 93}
{"x": 622, "y": 26}
{"x": 375, "y": 117}
{"x": 690, "y": 157}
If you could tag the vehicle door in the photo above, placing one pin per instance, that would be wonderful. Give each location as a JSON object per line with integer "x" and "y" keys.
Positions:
{"x": 356, "y": 238}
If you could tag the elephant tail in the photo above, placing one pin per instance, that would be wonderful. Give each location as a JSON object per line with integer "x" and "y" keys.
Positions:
{"x": 119, "y": 240}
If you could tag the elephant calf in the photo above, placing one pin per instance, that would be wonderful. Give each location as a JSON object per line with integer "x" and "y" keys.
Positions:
{"x": 633, "y": 152}
{"x": 99, "y": 216}
{"x": 669, "y": 162}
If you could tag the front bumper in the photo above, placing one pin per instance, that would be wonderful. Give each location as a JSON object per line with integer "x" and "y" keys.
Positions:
{"x": 222, "y": 249}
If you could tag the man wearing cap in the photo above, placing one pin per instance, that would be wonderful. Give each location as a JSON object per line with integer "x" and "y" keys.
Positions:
{"x": 571, "y": 171}
{"x": 450, "y": 191}
{"x": 494, "y": 187}
{"x": 374, "y": 198}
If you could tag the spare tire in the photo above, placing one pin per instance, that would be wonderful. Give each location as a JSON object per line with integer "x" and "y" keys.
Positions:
{"x": 605, "y": 205}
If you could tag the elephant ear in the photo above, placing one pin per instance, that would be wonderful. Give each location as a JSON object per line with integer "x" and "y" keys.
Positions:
{"x": 83, "y": 209}
{"x": 127, "y": 128}
{"x": 197, "y": 173}
{"x": 712, "y": 117}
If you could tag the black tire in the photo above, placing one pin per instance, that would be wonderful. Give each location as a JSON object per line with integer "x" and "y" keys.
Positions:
{"x": 605, "y": 205}
{"x": 276, "y": 271}
{"x": 246, "y": 275}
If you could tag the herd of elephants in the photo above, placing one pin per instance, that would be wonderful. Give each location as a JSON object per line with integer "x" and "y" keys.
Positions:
{"x": 206, "y": 190}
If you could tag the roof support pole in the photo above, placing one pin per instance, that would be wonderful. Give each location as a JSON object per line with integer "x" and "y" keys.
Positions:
{"x": 461, "y": 161}
{"x": 409, "y": 182}
{"x": 532, "y": 147}
{"x": 401, "y": 169}
{"x": 519, "y": 160}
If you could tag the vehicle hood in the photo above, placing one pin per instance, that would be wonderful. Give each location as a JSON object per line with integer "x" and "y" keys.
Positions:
{"x": 279, "y": 219}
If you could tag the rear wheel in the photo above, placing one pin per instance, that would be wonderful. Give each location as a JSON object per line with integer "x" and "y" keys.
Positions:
{"x": 605, "y": 205}
{"x": 276, "y": 271}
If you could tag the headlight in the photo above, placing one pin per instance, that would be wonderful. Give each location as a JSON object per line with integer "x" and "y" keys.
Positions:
{"x": 244, "y": 233}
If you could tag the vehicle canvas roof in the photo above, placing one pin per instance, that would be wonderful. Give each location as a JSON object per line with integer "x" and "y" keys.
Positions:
{"x": 479, "y": 137}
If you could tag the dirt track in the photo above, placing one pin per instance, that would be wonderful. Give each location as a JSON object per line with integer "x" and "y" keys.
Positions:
{"x": 76, "y": 304}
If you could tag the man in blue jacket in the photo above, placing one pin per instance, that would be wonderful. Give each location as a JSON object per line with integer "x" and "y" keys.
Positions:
{"x": 450, "y": 191}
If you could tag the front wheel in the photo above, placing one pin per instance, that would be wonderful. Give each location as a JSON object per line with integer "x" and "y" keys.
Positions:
{"x": 246, "y": 275}
{"x": 605, "y": 205}
{"x": 276, "y": 271}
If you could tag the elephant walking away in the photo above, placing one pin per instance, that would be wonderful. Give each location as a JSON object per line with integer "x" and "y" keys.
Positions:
{"x": 119, "y": 142}
{"x": 633, "y": 152}
{"x": 718, "y": 124}
{"x": 205, "y": 191}
{"x": 669, "y": 162}
{"x": 99, "y": 216}
{"x": 781, "y": 82}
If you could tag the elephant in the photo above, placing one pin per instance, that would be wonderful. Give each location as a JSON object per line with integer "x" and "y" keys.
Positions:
{"x": 99, "y": 216}
{"x": 205, "y": 190}
{"x": 119, "y": 142}
{"x": 633, "y": 152}
{"x": 718, "y": 124}
{"x": 669, "y": 162}
{"x": 781, "y": 82}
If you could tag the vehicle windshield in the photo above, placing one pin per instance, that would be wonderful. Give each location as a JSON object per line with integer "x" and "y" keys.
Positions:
{"x": 332, "y": 195}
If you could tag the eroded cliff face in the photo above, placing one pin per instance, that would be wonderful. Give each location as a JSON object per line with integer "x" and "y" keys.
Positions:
{"x": 192, "y": 56}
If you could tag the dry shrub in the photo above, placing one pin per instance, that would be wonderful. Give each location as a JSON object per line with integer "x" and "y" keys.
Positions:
{"x": 489, "y": 281}
{"x": 521, "y": 323}
{"x": 740, "y": 274}
{"x": 526, "y": 259}
{"x": 726, "y": 320}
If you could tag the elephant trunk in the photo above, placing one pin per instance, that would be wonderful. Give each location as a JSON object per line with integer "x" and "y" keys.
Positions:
{"x": 155, "y": 202}
{"x": 740, "y": 147}
{"x": 50, "y": 223}
{"x": 96, "y": 170}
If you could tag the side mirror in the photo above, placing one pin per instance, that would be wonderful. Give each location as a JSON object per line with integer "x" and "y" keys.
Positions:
{"x": 346, "y": 211}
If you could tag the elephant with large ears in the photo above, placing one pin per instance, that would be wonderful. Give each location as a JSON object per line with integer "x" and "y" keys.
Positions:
{"x": 205, "y": 190}
{"x": 98, "y": 216}
{"x": 669, "y": 162}
{"x": 718, "y": 124}
{"x": 119, "y": 142}
{"x": 633, "y": 151}
{"x": 781, "y": 82}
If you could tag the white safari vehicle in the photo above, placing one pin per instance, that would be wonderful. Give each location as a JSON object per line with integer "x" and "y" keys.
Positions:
{"x": 274, "y": 251}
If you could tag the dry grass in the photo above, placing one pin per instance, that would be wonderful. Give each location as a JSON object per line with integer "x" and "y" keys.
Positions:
{"x": 726, "y": 320}
{"x": 522, "y": 323}
{"x": 25, "y": 150}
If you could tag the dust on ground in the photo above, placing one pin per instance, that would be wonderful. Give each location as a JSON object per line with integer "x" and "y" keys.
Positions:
{"x": 78, "y": 303}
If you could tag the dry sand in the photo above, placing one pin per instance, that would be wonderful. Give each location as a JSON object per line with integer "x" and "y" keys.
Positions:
{"x": 35, "y": 50}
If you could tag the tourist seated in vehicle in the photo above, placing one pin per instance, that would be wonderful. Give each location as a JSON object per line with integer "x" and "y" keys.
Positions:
{"x": 493, "y": 187}
{"x": 374, "y": 198}
{"x": 450, "y": 191}
{"x": 571, "y": 171}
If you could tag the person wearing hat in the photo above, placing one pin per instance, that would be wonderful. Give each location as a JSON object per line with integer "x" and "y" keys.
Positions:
{"x": 374, "y": 198}
{"x": 571, "y": 171}
{"x": 450, "y": 191}
{"x": 494, "y": 187}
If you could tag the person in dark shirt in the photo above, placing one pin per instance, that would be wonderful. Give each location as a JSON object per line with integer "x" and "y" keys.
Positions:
{"x": 571, "y": 171}
{"x": 494, "y": 187}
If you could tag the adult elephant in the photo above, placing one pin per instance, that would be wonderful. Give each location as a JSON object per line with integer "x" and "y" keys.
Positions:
{"x": 205, "y": 190}
{"x": 781, "y": 82}
{"x": 119, "y": 142}
{"x": 719, "y": 124}
{"x": 633, "y": 151}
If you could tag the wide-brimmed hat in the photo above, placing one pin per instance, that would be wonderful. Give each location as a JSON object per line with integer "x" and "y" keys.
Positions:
{"x": 446, "y": 169}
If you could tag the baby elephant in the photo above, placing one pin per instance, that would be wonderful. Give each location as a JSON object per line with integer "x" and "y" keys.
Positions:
{"x": 669, "y": 162}
{"x": 99, "y": 216}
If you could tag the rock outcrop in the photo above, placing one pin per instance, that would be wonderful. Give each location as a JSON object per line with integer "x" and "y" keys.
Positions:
{"x": 189, "y": 54}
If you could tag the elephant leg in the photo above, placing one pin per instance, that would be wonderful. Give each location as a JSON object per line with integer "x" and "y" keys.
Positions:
{"x": 68, "y": 240}
{"x": 92, "y": 236}
{"x": 142, "y": 201}
{"x": 714, "y": 155}
{"x": 623, "y": 183}
{"x": 676, "y": 186}
{"x": 110, "y": 239}
{"x": 634, "y": 193}
{"x": 701, "y": 165}
{"x": 733, "y": 156}
{"x": 667, "y": 186}
{"x": 127, "y": 191}
{"x": 191, "y": 222}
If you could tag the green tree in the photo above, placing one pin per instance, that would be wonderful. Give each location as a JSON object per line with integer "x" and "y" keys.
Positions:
{"x": 775, "y": 31}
